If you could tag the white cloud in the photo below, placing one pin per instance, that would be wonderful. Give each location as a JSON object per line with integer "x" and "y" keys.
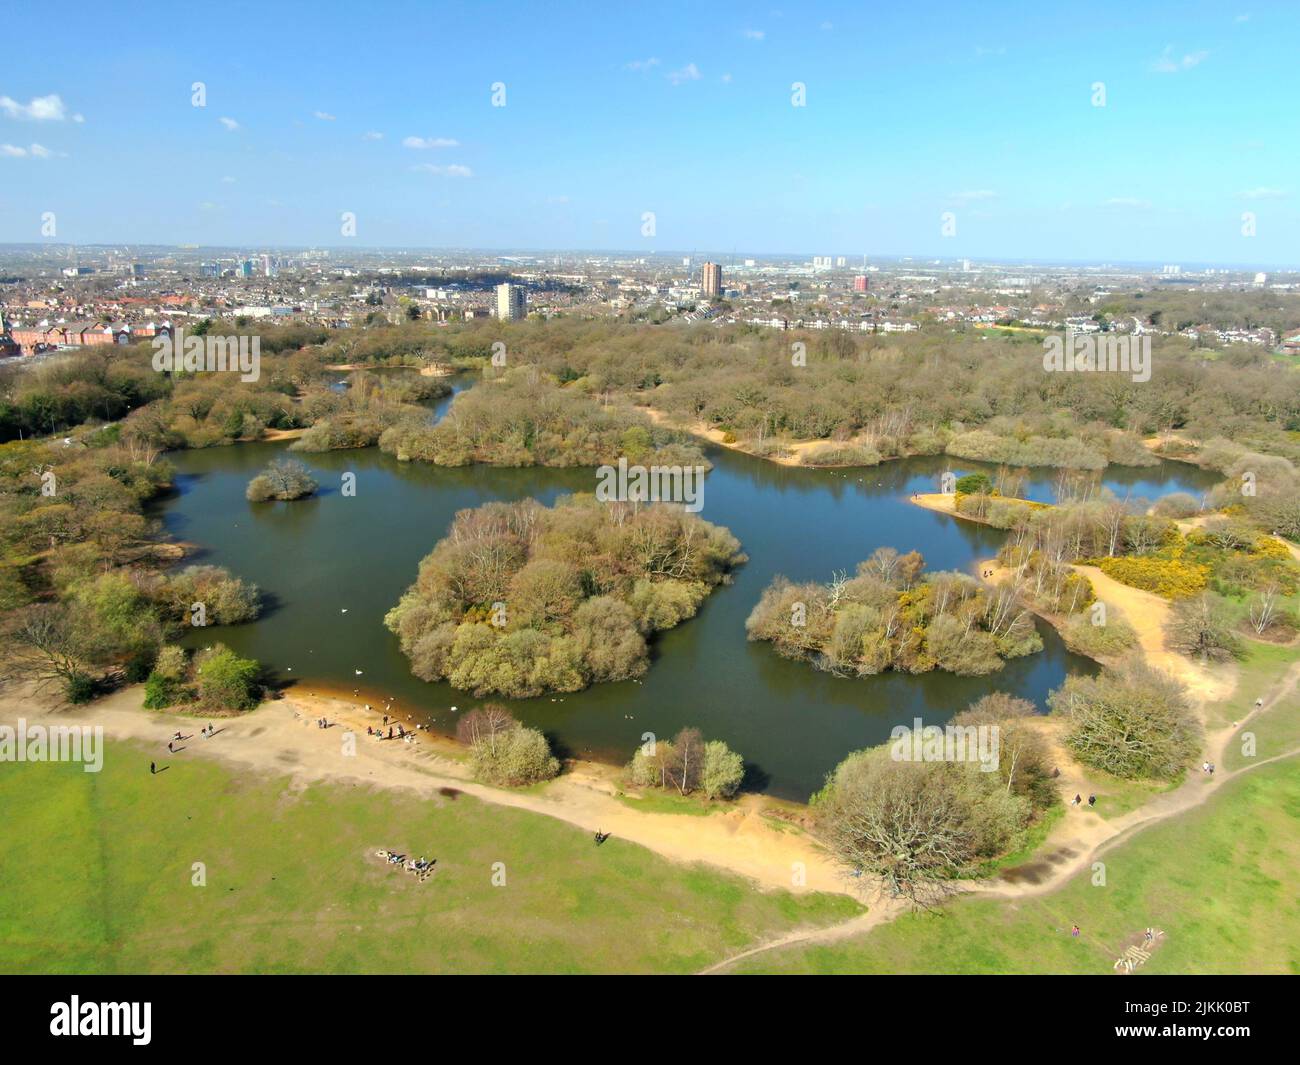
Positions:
{"x": 725, "y": 79}
{"x": 16, "y": 151}
{"x": 453, "y": 170}
{"x": 828, "y": 25}
{"x": 429, "y": 142}
{"x": 1168, "y": 63}
{"x": 1242, "y": 18}
{"x": 974, "y": 195}
{"x": 643, "y": 64}
{"x": 227, "y": 180}
{"x": 690, "y": 72}
{"x": 1264, "y": 192}
{"x": 753, "y": 35}
{"x": 40, "y": 109}
{"x": 372, "y": 135}
{"x": 324, "y": 116}
{"x": 229, "y": 123}
{"x": 1128, "y": 201}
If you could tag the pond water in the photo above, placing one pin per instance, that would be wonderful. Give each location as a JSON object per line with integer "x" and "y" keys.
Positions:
{"x": 331, "y": 566}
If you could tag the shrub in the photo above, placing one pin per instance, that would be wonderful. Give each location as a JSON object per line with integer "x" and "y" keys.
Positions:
{"x": 517, "y": 757}
{"x": 975, "y": 484}
{"x": 1117, "y": 637}
{"x": 841, "y": 455}
{"x": 80, "y": 688}
{"x": 226, "y": 681}
{"x": 159, "y": 692}
{"x": 1176, "y": 505}
{"x": 1171, "y": 578}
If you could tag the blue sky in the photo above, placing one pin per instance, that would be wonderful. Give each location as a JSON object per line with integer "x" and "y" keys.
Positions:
{"x": 681, "y": 109}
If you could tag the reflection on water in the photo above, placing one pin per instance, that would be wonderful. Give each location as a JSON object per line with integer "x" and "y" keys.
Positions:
{"x": 317, "y": 558}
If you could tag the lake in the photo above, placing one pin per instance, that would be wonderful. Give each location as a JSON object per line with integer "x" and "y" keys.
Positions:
{"x": 330, "y": 567}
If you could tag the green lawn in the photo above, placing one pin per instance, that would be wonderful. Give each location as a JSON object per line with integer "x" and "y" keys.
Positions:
{"x": 95, "y": 877}
{"x": 1221, "y": 881}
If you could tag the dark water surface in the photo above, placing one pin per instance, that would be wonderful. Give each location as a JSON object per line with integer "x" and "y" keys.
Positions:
{"x": 315, "y": 558}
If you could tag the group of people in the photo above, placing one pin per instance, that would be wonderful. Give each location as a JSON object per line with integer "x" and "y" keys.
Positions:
{"x": 402, "y": 734}
{"x": 206, "y": 731}
{"x": 1078, "y": 800}
{"x": 1207, "y": 767}
{"x": 422, "y": 867}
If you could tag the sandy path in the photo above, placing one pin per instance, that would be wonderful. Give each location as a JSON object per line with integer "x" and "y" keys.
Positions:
{"x": 1146, "y": 612}
{"x": 1066, "y": 852}
{"x": 281, "y": 737}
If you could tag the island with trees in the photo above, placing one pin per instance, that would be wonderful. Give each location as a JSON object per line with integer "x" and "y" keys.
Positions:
{"x": 519, "y": 599}
{"x": 893, "y": 615}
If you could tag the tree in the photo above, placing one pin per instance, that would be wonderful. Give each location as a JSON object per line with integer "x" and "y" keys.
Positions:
{"x": 283, "y": 479}
{"x": 1201, "y": 626}
{"x": 723, "y": 771}
{"x": 916, "y": 825}
{"x": 1131, "y": 720}
{"x": 44, "y": 645}
{"x": 485, "y": 724}
{"x": 687, "y": 765}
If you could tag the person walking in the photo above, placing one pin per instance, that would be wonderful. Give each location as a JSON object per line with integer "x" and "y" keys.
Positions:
{"x": 169, "y": 747}
{"x": 152, "y": 769}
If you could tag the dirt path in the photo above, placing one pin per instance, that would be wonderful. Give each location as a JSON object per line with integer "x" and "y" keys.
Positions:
{"x": 281, "y": 737}
{"x": 1068, "y": 853}
{"x": 1146, "y": 612}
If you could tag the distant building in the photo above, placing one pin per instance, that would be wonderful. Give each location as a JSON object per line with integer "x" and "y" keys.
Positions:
{"x": 861, "y": 284}
{"x": 8, "y": 346}
{"x": 711, "y": 280}
{"x": 512, "y": 302}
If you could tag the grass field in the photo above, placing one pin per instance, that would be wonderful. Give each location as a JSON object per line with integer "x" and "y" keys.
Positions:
{"x": 96, "y": 870}
{"x": 1220, "y": 881}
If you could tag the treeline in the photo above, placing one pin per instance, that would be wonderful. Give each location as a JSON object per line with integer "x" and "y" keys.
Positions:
{"x": 913, "y": 393}
{"x": 893, "y": 615}
{"x": 520, "y": 599}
